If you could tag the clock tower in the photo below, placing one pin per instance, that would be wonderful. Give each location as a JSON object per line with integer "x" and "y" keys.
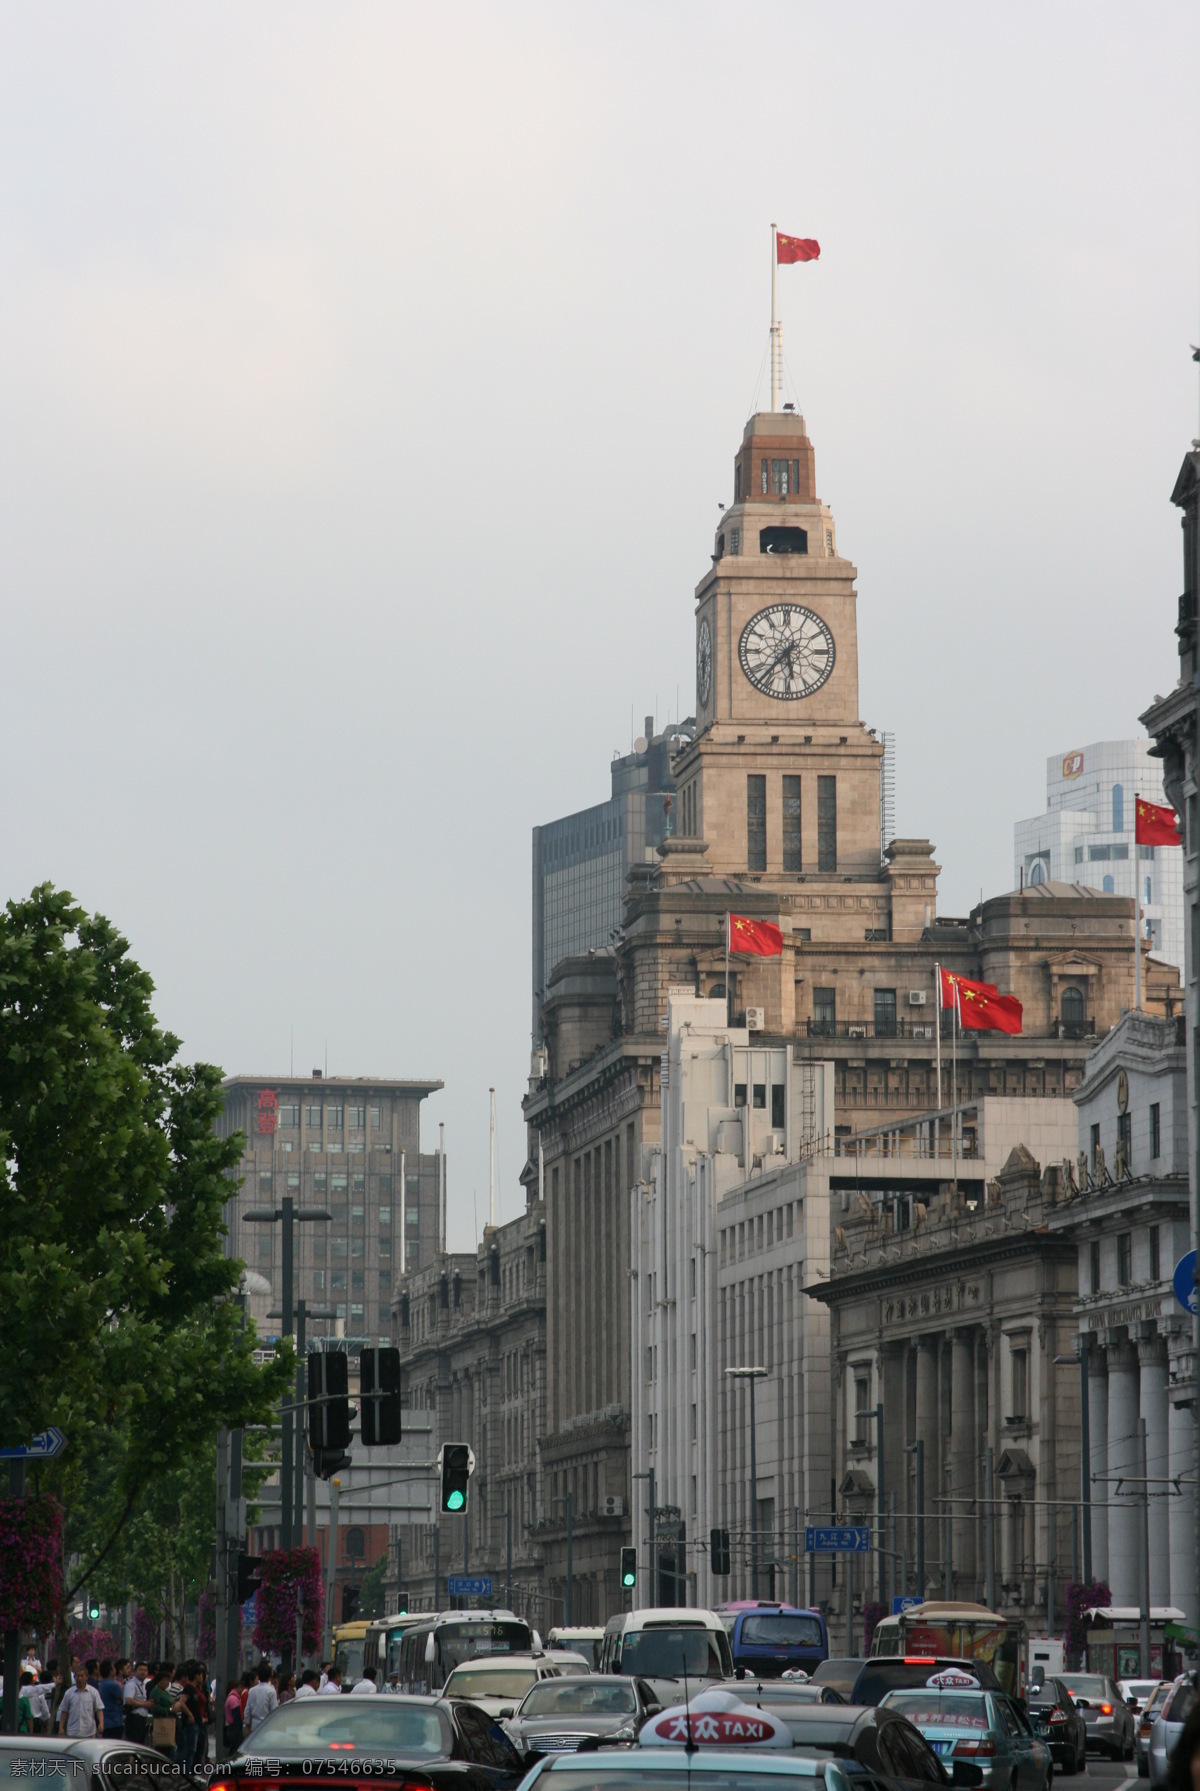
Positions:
{"x": 782, "y": 779}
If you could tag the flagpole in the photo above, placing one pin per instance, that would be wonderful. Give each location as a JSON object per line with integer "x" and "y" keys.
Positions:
{"x": 774, "y": 328}
{"x": 727, "y": 1007}
{"x": 937, "y": 984}
{"x": 954, "y": 1090}
{"x": 1137, "y": 919}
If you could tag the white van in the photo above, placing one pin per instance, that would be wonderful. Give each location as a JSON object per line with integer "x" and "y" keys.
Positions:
{"x": 666, "y": 1642}
{"x": 585, "y": 1641}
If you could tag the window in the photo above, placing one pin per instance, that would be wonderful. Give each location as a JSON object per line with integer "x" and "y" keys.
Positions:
{"x": 356, "y": 1314}
{"x": 1155, "y": 1255}
{"x": 1094, "y": 1255}
{"x": 765, "y": 475}
{"x": 320, "y": 1182}
{"x": 827, "y": 823}
{"x": 264, "y": 1245}
{"x": 333, "y": 1117}
{"x": 358, "y": 1217}
{"x": 1155, "y": 1130}
{"x": 824, "y": 1008}
{"x": 289, "y": 1113}
{"x": 1099, "y": 854}
{"x": 319, "y": 1281}
{"x": 1124, "y": 1258}
{"x": 1079, "y": 855}
{"x": 312, "y": 1116}
{"x": 385, "y": 1217}
{"x": 358, "y": 1184}
{"x": 829, "y": 542}
{"x": 358, "y": 1248}
{"x": 356, "y": 1280}
{"x": 337, "y": 1249}
{"x": 1108, "y": 884}
{"x": 1120, "y": 851}
{"x": 1124, "y": 1142}
{"x": 1071, "y": 1009}
{"x": 863, "y": 1415}
{"x": 1020, "y": 1383}
{"x": 791, "y": 824}
{"x": 293, "y": 1181}
{"x": 1118, "y": 825}
{"x": 777, "y": 1105}
{"x": 337, "y": 1280}
{"x": 1038, "y": 872}
{"x": 264, "y": 1181}
{"x": 756, "y": 822}
{"x": 1095, "y": 1136}
{"x": 319, "y": 1243}
{"x": 412, "y": 1220}
{"x": 885, "y": 1013}
{"x": 385, "y": 1283}
{"x": 760, "y": 1095}
{"x": 737, "y": 483}
{"x": 383, "y": 1250}
{"x": 739, "y": 1094}
{"x": 376, "y": 1115}
{"x": 735, "y": 540}
{"x": 356, "y": 1116}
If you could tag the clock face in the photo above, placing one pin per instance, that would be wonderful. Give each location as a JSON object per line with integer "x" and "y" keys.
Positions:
{"x": 703, "y": 663}
{"x": 786, "y": 651}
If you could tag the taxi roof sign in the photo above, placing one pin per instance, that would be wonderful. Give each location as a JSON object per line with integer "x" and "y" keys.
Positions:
{"x": 715, "y": 1719}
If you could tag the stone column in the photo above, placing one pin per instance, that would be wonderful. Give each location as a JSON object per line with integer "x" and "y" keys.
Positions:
{"x": 1098, "y": 1422}
{"x": 1152, "y": 1406}
{"x": 927, "y": 1433}
{"x": 964, "y": 1446}
{"x": 1123, "y": 1517}
{"x": 1181, "y": 1461}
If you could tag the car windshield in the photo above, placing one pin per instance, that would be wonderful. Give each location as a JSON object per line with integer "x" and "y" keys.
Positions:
{"x": 1158, "y": 1698}
{"x": 782, "y": 1631}
{"x": 668, "y": 1653}
{"x": 1182, "y": 1704}
{"x": 942, "y": 1710}
{"x": 1138, "y": 1688}
{"x": 1044, "y": 1696}
{"x": 499, "y": 1682}
{"x": 459, "y": 1642}
{"x": 1084, "y": 1685}
{"x": 783, "y": 1694}
{"x": 391, "y": 1725}
{"x": 881, "y": 1675}
{"x": 580, "y": 1696}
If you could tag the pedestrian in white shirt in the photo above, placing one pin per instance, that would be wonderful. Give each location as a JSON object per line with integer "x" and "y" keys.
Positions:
{"x": 261, "y": 1699}
{"x": 333, "y": 1683}
{"x": 367, "y": 1682}
{"x": 309, "y": 1682}
{"x": 81, "y": 1713}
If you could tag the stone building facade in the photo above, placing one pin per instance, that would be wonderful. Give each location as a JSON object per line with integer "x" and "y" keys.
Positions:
{"x": 778, "y": 807}
{"x": 950, "y": 1312}
{"x": 471, "y": 1330}
{"x": 351, "y": 1145}
{"x": 1128, "y": 1216}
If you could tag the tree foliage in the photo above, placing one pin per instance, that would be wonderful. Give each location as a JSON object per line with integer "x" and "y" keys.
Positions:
{"x": 116, "y": 1321}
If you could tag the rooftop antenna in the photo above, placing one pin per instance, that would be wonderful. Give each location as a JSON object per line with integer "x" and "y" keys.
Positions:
{"x": 326, "y": 1076}
{"x": 292, "y": 1049}
{"x": 491, "y": 1156}
{"x": 442, "y": 1179}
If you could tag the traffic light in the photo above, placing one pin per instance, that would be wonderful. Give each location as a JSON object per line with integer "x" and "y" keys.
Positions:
{"x": 628, "y": 1568}
{"x": 379, "y": 1385}
{"x": 402, "y": 1605}
{"x": 93, "y": 1608}
{"x": 328, "y": 1411}
{"x": 249, "y": 1568}
{"x": 718, "y": 1551}
{"x": 455, "y": 1465}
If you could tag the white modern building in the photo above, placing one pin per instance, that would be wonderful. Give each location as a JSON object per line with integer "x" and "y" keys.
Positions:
{"x": 1129, "y": 1215}
{"x": 1086, "y": 836}
{"x": 730, "y": 1224}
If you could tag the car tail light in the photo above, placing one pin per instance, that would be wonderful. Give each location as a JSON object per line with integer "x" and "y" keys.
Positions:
{"x": 1144, "y": 1727}
{"x": 920, "y": 1660}
{"x": 975, "y": 1748}
{"x": 1106, "y": 1709}
{"x": 1058, "y": 1716}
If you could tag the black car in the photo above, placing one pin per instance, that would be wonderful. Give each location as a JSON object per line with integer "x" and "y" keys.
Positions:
{"x": 881, "y": 1741}
{"x": 430, "y": 1743}
{"x": 883, "y": 1673}
{"x": 841, "y": 1672}
{"x": 557, "y": 1715}
{"x": 782, "y": 1695}
{"x": 65, "y": 1763}
{"x": 1059, "y": 1723}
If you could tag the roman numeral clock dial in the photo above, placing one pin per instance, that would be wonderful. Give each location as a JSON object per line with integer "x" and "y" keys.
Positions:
{"x": 786, "y": 651}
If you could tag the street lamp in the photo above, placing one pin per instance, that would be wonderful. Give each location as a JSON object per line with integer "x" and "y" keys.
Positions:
{"x": 652, "y": 1548}
{"x": 918, "y": 1449}
{"x": 288, "y": 1215}
{"x": 1085, "y": 1451}
{"x": 752, "y": 1374}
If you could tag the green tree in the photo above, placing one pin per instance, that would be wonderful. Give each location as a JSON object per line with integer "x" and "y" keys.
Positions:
{"x": 116, "y": 1321}
{"x": 373, "y": 1592}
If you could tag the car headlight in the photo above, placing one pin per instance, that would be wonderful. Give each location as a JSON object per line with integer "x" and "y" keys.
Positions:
{"x": 626, "y": 1732}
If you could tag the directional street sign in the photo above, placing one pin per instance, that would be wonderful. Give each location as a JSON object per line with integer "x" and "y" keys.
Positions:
{"x": 465, "y": 1585}
{"x": 843, "y": 1539}
{"x": 1184, "y": 1281}
{"x": 44, "y": 1447}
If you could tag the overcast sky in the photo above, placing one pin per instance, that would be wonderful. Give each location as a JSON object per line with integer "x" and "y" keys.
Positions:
{"x": 369, "y": 379}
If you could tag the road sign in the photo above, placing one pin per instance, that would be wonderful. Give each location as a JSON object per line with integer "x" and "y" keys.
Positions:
{"x": 250, "y": 1610}
{"x": 44, "y": 1447}
{"x": 904, "y": 1601}
{"x": 469, "y": 1585}
{"x": 843, "y": 1539}
{"x": 1184, "y": 1281}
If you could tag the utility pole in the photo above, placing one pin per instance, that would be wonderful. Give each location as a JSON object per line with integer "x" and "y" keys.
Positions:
{"x": 990, "y": 1528}
{"x": 235, "y": 1530}
{"x": 331, "y": 1560}
{"x": 880, "y": 1506}
{"x": 570, "y": 1562}
{"x": 1144, "y": 1560}
{"x": 918, "y": 1449}
{"x": 752, "y": 1374}
{"x": 12, "y": 1637}
{"x": 647, "y": 1474}
{"x": 222, "y": 1603}
{"x": 508, "y": 1554}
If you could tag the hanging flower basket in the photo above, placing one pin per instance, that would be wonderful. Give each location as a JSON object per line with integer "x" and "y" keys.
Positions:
{"x": 289, "y": 1575}
{"x": 31, "y": 1563}
{"x": 1080, "y": 1600}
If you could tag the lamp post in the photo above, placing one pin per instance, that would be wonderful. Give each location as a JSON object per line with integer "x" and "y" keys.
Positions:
{"x": 918, "y": 1449}
{"x": 1085, "y": 1452}
{"x": 303, "y": 1313}
{"x": 652, "y": 1546}
{"x": 288, "y": 1215}
{"x": 753, "y": 1374}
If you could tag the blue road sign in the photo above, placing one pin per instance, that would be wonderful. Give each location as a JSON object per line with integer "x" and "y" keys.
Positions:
{"x": 250, "y": 1610}
{"x": 904, "y": 1601}
{"x": 1184, "y": 1281}
{"x": 844, "y": 1539}
{"x": 44, "y": 1447}
{"x": 466, "y": 1585}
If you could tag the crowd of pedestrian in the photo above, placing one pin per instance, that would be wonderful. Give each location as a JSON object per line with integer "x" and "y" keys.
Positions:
{"x": 164, "y": 1705}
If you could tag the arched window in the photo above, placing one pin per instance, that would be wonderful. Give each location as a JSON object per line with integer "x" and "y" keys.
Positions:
{"x": 1072, "y": 1013}
{"x": 356, "y": 1543}
{"x": 1108, "y": 885}
{"x": 1038, "y": 873}
{"x": 1118, "y": 808}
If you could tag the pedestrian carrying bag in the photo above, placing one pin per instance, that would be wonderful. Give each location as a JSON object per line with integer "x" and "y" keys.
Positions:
{"x": 163, "y": 1733}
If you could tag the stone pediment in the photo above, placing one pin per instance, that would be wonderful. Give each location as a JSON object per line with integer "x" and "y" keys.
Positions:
{"x": 1073, "y": 963}
{"x": 857, "y": 1485}
{"x": 1015, "y": 1465}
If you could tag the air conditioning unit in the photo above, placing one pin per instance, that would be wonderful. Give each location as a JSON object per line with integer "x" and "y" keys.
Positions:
{"x": 856, "y": 1032}
{"x": 756, "y": 1018}
{"x": 922, "y": 1032}
{"x": 917, "y": 998}
{"x": 612, "y": 1505}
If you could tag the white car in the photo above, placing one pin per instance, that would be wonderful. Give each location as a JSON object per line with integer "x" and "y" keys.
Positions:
{"x": 1137, "y": 1692}
{"x": 498, "y": 1682}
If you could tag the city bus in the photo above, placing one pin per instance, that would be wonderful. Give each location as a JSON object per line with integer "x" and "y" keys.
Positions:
{"x": 349, "y": 1640}
{"x": 381, "y": 1648}
{"x": 960, "y": 1632}
{"x": 431, "y": 1648}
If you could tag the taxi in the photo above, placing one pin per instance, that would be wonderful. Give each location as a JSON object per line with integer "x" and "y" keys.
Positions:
{"x": 962, "y": 1721}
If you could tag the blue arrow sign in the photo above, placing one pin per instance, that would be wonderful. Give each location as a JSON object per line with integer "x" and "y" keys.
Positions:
{"x": 44, "y": 1447}
{"x": 1184, "y": 1281}
{"x": 463, "y": 1585}
{"x": 904, "y": 1601}
{"x": 843, "y": 1539}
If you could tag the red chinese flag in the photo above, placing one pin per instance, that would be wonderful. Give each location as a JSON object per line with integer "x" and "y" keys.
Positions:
{"x": 1155, "y": 825}
{"x": 981, "y": 1009}
{"x": 757, "y": 938}
{"x": 950, "y": 982}
{"x": 795, "y": 248}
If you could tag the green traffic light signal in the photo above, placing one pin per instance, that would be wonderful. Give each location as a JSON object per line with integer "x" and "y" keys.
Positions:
{"x": 628, "y": 1568}
{"x": 630, "y": 1579}
{"x": 93, "y": 1611}
{"x": 454, "y": 1501}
